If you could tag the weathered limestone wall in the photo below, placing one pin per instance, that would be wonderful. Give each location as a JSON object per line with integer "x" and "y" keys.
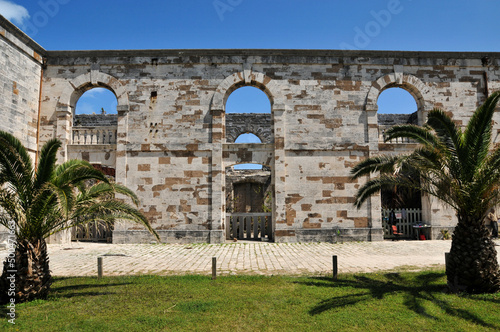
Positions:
{"x": 173, "y": 140}
{"x": 101, "y": 154}
{"x": 172, "y": 128}
{"x": 20, "y": 70}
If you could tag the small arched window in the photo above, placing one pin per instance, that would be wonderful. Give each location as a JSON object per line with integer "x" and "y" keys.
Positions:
{"x": 248, "y": 99}
{"x": 97, "y": 101}
{"x": 396, "y": 106}
{"x": 396, "y": 101}
{"x": 247, "y": 138}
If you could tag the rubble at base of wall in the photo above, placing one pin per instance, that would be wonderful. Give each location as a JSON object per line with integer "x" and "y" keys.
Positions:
{"x": 166, "y": 236}
{"x": 334, "y": 235}
{"x": 186, "y": 237}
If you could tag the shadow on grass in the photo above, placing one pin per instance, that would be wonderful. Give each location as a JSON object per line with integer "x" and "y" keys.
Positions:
{"x": 101, "y": 287}
{"x": 416, "y": 292}
{"x": 4, "y": 310}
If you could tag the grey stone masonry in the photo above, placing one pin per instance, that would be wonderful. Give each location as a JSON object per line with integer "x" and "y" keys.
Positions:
{"x": 95, "y": 120}
{"x": 394, "y": 119}
{"x": 254, "y": 123}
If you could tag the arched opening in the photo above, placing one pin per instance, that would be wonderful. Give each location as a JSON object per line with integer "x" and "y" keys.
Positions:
{"x": 248, "y": 138}
{"x": 397, "y": 106}
{"x": 97, "y": 101}
{"x": 249, "y": 192}
{"x": 396, "y": 101}
{"x": 247, "y": 166}
{"x": 95, "y": 123}
{"x": 248, "y": 111}
{"x": 248, "y": 99}
{"x": 95, "y": 117}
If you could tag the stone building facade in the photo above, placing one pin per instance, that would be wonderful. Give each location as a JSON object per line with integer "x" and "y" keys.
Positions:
{"x": 173, "y": 141}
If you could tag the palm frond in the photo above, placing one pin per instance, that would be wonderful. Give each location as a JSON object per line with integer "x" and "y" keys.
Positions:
{"x": 448, "y": 133}
{"x": 11, "y": 209}
{"x": 477, "y": 136}
{"x": 16, "y": 175}
{"x": 419, "y": 134}
{"x": 46, "y": 163}
{"x": 384, "y": 181}
{"x": 17, "y": 152}
{"x": 55, "y": 197}
{"x": 108, "y": 210}
{"x": 123, "y": 190}
{"x": 75, "y": 171}
{"x": 382, "y": 164}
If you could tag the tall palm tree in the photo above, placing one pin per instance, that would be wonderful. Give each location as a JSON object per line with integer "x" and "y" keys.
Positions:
{"x": 37, "y": 203}
{"x": 462, "y": 169}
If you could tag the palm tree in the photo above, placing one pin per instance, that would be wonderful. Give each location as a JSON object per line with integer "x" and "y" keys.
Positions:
{"x": 462, "y": 169}
{"x": 37, "y": 203}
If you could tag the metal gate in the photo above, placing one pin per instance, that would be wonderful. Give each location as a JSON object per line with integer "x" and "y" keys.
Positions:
{"x": 92, "y": 232}
{"x": 249, "y": 226}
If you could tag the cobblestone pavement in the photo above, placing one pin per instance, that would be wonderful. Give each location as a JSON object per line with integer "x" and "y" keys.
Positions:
{"x": 80, "y": 259}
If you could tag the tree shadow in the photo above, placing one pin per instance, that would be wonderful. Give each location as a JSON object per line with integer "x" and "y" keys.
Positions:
{"x": 93, "y": 289}
{"x": 416, "y": 292}
{"x": 4, "y": 310}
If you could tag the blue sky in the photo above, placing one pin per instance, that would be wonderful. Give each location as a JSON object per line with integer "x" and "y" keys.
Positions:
{"x": 418, "y": 25}
{"x": 459, "y": 25}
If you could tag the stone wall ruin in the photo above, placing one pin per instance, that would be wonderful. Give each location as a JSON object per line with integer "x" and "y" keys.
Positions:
{"x": 173, "y": 141}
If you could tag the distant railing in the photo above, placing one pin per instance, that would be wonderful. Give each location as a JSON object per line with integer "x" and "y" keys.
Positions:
{"x": 92, "y": 232}
{"x": 248, "y": 226}
{"x": 401, "y": 140}
{"x": 94, "y": 135}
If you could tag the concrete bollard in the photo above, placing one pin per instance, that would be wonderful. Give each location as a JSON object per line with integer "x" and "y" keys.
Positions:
{"x": 214, "y": 268}
{"x": 335, "y": 267}
{"x": 99, "y": 267}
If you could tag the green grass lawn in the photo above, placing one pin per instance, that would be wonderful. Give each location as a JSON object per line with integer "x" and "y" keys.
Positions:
{"x": 364, "y": 302}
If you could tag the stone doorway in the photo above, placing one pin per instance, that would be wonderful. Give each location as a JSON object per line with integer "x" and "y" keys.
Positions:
{"x": 96, "y": 231}
{"x": 248, "y": 204}
{"x": 248, "y": 197}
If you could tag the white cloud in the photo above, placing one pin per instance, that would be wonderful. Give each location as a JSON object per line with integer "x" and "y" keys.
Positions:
{"x": 85, "y": 108}
{"x": 95, "y": 92}
{"x": 13, "y": 12}
{"x": 94, "y": 100}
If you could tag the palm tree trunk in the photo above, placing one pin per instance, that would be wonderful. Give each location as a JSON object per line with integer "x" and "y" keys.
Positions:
{"x": 472, "y": 265}
{"x": 29, "y": 273}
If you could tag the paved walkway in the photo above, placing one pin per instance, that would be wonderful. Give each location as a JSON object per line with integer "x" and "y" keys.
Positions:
{"x": 80, "y": 259}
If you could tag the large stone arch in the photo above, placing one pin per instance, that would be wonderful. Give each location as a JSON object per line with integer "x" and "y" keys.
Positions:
{"x": 410, "y": 83}
{"x": 265, "y": 154}
{"x": 74, "y": 89}
{"x": 79, "y": 85}
{"x": 247, "y": 78}
{"x": 419, "y": 90}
